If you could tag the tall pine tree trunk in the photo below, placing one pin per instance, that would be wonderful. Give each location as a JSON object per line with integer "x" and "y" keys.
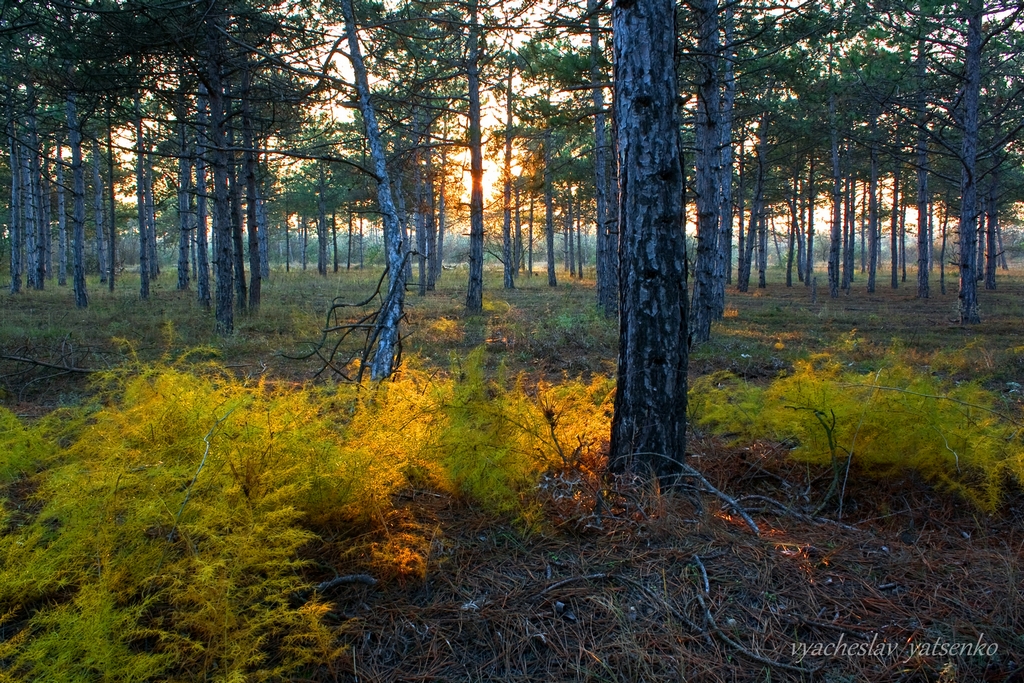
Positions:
{"x": 62, "y": 221}
{"x": 708, "y": 170}
{"x": 202, "y": 214}
{"x": 475, "y": 290}
{"x": 873, "y": 207}
{"x": 549, "y": 210}
{"x": 78, "y": 202}
{"x": 16, "y": 226}
{"x": 649, "y": 424}
{"x": 894, "y": 225}
{"x": 836, "y": 231}
{"x": 140, "y": 200}
{"x": 507, "y": 245}
{"x": 99, "y": 208}
{"x": 222, "y": 262}
{"x": 386, "y": 333}
{"x": 607, "y": 245}
{"x": 968, "y": 292}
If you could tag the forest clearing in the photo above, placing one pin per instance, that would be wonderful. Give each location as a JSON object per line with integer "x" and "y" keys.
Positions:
{"x": 121, "y": 560}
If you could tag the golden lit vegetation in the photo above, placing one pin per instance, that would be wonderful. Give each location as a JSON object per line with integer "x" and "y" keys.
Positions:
{"x": 892, "y": 419}
{"x": 159, "y": 535}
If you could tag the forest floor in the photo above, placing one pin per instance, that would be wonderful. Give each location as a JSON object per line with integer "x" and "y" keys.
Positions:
{"x": 655, "y": 585}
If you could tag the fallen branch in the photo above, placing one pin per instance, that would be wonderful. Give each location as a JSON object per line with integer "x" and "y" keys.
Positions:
{"x": 365, "y": 579}
{"x": 799, "y": 515}
{"x": 303, "y": 595}
{"x": 54, "y": 366}
{"x": 572, "y": 579}
{"x": 688, "y": 471}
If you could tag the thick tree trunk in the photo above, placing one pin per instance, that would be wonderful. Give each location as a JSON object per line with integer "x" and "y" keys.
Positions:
{"x": 475, "y": 290}
{"x": 237, "y": 224}
{"x": 222, "y": 263}
{"x": 649, "y": 425}
{"x": 78, "y": 202}
{"x": 386, "y": 330}
{"x": 968, "y": 293}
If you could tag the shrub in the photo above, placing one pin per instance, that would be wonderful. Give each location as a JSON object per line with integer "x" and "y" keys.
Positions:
{"x": 896, "y": 418}
{"x": 167, "y": 521}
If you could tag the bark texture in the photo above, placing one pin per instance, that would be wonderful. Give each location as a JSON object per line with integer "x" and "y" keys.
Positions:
{"x": 649, "y": 425}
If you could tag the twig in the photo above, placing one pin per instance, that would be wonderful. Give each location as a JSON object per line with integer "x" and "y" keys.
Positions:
{"x": 799, "y": 515}
{"x": 688, "y": 471}
{"x": 571, "y": 579}
{"x": 347, "y": 579}
{"x": 44, "y": 364}
{"x": 202, "y": 463}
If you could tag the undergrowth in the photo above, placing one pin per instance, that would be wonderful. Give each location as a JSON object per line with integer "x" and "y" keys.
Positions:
{"x": 957, "y": 435}
{"x": 158, "y": 534}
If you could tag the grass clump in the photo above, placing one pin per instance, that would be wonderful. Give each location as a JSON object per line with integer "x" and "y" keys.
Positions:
{"x": 881, "y": 423}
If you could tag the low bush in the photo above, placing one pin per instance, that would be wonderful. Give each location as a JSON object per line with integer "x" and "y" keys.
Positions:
{"x": 897, "y": 418}
{"x": 159, "y": 534}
